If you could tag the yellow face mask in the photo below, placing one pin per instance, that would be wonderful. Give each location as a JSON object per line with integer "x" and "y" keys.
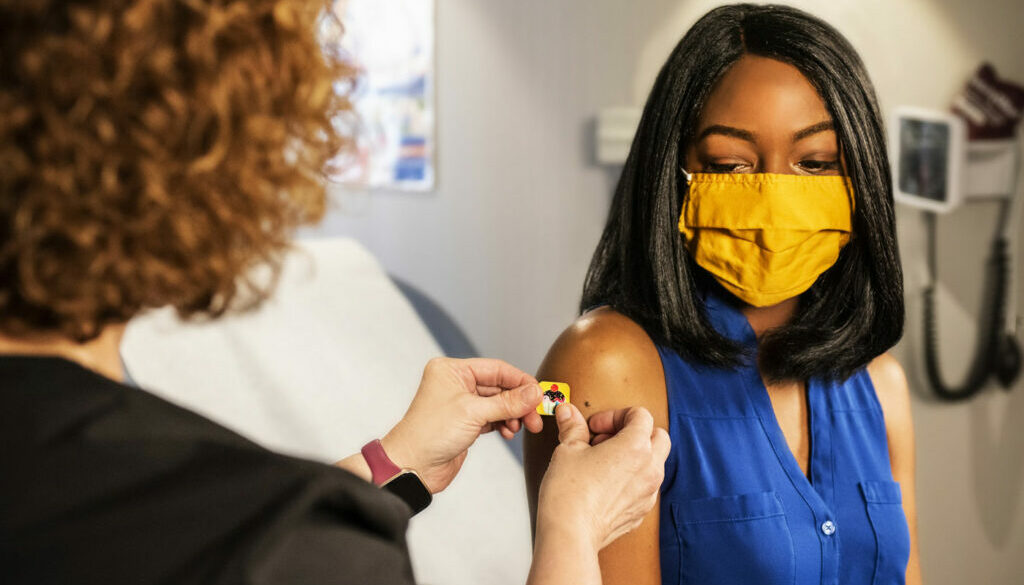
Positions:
{"x": 766, "y": 237}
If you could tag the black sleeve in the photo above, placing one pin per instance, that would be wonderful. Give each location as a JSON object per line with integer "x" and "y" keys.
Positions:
{"x": 321, "y": 551}
{"x": 337, "y": 532}
{"x": 101, "y": 484}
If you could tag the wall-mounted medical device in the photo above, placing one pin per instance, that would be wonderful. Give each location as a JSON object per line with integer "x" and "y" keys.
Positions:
{"x": 613, "y": 138}
{"x": 928, "y": 152}
{"x": 943, "y": 160}
{"x": 936, "y": 168}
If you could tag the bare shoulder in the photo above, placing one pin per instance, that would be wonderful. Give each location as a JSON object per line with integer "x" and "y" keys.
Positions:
{"x": 891, "y": 387}
{"x": 609, "y": 361}
{"x": 604, "y": 334}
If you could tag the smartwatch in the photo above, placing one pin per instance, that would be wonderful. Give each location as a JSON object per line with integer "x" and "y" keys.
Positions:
{"x": 404, "y": 483}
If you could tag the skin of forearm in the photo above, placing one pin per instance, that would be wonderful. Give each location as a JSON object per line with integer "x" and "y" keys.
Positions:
{"x": 563, "y": 555}
{"x": 355, "y": 464}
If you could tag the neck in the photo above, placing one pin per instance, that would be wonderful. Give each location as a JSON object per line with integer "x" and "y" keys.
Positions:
{"x": 102, "y": 354}
{"x": 764, "y": 318}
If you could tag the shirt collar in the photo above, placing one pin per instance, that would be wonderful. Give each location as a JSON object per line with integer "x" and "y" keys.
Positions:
{"x": 726, "y": 317}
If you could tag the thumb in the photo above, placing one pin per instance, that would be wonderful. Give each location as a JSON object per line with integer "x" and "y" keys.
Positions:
{"x": 571, "y": 426}
{"x": 508, "y": 404}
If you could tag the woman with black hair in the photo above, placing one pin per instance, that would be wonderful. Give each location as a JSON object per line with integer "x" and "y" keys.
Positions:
{"x": 746, "y": 289}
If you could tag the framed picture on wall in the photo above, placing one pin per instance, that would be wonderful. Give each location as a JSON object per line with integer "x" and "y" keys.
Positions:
{"x": 389, "y": 44}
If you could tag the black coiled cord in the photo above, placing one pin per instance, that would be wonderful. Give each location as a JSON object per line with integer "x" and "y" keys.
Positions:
{"x": 999, "y": 352}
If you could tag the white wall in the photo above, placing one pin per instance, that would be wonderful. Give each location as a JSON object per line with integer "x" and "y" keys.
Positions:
{"x": 505, "y": 240}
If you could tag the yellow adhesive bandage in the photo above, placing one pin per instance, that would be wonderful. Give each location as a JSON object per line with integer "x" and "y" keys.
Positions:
{"x": 555, "y": 393}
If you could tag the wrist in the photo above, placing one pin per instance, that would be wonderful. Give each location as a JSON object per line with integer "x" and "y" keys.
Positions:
{"x": 568, "y": 522}
{"x": 356, "y": 465}
{"x": 564, "y": 551}
{"x": 401, "y": 481}
{"x": 398, "y": 450}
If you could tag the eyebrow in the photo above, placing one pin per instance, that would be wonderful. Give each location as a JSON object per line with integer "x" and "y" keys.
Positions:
{"x": 750, "y": 137}
{"x": 726, "y": 131}
{"x": 813, "y": 129}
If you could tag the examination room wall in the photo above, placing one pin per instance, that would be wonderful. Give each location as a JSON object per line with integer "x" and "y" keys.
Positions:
{"x": 504, "y": 241}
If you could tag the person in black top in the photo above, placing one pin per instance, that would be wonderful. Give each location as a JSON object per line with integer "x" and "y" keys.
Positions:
{"x": 155, "y": 153}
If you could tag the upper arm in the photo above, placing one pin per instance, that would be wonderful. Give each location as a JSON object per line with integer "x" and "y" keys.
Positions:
{"x": 894, "y": 396}
{"x": 609, "y": 362}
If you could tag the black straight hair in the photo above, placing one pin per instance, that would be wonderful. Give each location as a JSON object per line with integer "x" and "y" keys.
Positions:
{"x": 854, "y": 311}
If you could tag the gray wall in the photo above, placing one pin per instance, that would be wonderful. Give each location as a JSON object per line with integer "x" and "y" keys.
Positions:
{"x": 504, "y": 241}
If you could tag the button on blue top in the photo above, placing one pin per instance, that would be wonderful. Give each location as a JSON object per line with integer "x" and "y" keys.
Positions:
{"x": 735, "y": 505}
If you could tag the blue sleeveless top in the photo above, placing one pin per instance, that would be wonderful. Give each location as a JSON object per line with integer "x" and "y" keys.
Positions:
{"x": 736, "y": 507}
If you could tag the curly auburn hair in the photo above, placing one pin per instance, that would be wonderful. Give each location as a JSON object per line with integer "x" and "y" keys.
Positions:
{"x": 154, "y": 152}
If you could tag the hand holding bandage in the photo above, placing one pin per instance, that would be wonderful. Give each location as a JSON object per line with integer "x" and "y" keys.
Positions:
{"x": 628, "y": 455}
{"x": 591, "y": 493}
{"x": 456, "y": 402}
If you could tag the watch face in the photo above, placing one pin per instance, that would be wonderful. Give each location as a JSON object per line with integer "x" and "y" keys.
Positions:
{"x": 407, "y": 485}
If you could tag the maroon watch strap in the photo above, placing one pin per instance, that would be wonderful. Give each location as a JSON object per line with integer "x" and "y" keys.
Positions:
{"x": 381, "y": 466}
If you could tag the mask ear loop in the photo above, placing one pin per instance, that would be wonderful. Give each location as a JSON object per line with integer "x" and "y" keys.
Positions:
{"x": 688, "y": 176}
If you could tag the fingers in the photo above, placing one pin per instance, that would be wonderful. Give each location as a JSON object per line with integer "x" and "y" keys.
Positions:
{"x": 571, "y": 426}
{"x": 511, "y": 404}
{"x": 607, "y": 422}
{"x": 533, "y": 421}
{"x": 501, "y": 427}
{"x": 492, "y": 377}
{"x": 508, "y": 429}
{"x": 660, "y": 445}
{"x": 635, "y": 420}
{"x": 496, "y": 373}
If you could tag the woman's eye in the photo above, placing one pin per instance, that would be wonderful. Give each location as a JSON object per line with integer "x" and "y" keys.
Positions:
{"x": 722, "y": 167}
{"x": 817, "y": 166}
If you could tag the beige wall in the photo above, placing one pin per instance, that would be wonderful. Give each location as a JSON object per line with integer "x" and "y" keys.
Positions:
{"x": 504, "y": 241}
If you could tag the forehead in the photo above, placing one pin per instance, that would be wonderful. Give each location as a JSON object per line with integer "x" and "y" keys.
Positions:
{"x": 763, "y": 95}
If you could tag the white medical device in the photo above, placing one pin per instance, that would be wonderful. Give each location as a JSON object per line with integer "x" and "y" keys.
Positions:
{"x": 935, "y": 167}
{"x": 616, "y": 127}
{"x": 928, "y": 154}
